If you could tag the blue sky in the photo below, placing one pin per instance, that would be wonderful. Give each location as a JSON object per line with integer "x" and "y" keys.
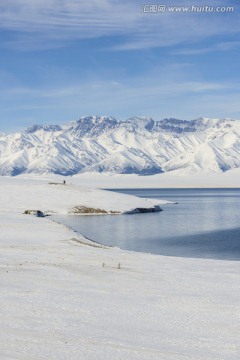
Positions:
{"x": 63, "y": 59}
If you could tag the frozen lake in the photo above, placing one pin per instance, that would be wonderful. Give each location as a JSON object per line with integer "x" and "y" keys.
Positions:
{"x": 205, "y": 223}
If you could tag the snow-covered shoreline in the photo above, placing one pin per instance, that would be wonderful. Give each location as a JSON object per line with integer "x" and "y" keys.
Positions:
{"x": 61, "y": 299}
{"x": 18, "y": 194}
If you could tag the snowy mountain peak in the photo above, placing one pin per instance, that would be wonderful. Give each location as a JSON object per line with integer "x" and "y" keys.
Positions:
{"x": 91, "y": 125}
{"x": 34, "y": 128}
{"x": 97, "y": 119}
{"x": 138, "y": 145}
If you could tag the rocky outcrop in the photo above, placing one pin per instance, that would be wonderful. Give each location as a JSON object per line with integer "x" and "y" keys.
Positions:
{"x": 37, "y": 213}
{"x": 156, "y": 208}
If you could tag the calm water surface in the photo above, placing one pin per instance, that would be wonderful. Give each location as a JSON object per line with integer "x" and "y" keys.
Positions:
{"x": 205, "y": 223}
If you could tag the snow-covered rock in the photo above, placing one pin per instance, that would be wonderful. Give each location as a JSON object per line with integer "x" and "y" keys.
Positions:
{"x": 137, "y": 145}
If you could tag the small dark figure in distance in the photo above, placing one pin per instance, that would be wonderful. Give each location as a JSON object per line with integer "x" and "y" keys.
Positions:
{"x": 64, "y": 182}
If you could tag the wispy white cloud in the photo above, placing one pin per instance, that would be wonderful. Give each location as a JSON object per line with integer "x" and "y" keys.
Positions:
{"x": 160, "y": 80}
{"x": 109, "y": 89}
{"x": 149, "y": 95}
{"x": 152, "y": 94}
{"x": 223, "y": 46}
{"x": 51, "y": 88}
{"x": 58, "y": 21}
{"x": 64, "y": 19}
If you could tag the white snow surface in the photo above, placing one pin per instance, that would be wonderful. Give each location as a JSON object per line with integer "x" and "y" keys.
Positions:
{"x": 58, "y": 301}
{"x": 175, "y": 179}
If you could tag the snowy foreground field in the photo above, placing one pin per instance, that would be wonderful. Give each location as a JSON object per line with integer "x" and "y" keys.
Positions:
{"x": 58, "y": 301}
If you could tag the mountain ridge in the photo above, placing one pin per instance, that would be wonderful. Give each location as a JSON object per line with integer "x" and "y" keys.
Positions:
{"x": 139, "y": 145}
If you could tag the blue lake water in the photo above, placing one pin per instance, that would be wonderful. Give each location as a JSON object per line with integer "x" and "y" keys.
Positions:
{"x": 205, "y": 223}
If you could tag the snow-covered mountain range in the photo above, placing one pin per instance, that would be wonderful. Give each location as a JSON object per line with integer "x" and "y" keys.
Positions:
{"x": 137, "y": 145}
